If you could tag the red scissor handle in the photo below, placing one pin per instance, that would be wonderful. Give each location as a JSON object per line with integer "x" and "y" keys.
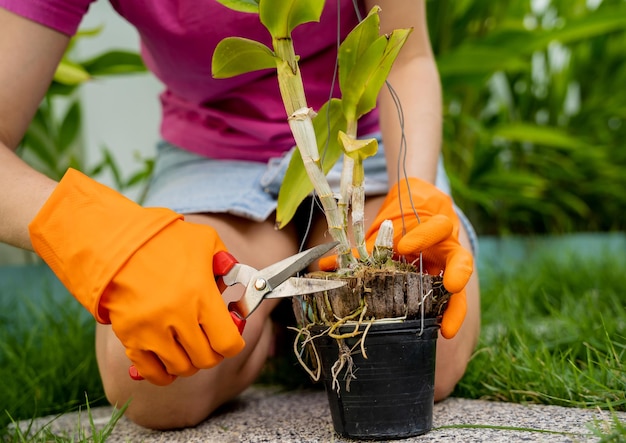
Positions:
{"x": 223, "y": 263}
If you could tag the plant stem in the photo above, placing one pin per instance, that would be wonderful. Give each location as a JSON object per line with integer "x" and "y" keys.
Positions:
{"x": 345, "y": 186}
{"x": 301, "y": 125}
{"x": 357, "y": 195}
{"x": 289, "y": 78}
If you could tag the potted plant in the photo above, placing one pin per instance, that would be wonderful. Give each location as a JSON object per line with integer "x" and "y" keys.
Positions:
{"x": 374, "y": 339}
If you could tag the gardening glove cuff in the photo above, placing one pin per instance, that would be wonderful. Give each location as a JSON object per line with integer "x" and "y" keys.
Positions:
{"x": 86, "y": 231}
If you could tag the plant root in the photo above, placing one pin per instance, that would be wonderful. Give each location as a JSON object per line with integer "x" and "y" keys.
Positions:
{"x": 345, "y": 357}
{"x": 346, "y": 361}
{"x": 342, "y": 321}
{"x": 308, "y": 340}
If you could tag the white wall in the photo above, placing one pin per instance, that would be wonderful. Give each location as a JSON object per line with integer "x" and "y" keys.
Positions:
{"x": 121, "y": 113}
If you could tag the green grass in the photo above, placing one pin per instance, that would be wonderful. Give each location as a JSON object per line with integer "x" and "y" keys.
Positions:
{"x": 32, "y": 432}
{"x": 47, "y": 357}
{"x": 554, "y": 332}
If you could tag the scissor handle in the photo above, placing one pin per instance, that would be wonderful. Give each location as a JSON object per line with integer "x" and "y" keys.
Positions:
{"x": 239, "y": 321}
{"x": 223, "y": 263}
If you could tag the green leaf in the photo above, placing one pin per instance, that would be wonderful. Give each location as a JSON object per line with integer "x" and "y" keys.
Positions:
{"x": 358, "y": 148}
{"x": 110, "y": 162}
{"x": 60, "y": 89}
{"x": 115, "y": 62}
{"x": 97, "y": 169}
{"x": 69, "y": 73}
{"x": 363, "y": 83}
{"x": 472, "y": 60}
{"x": 241, "y": 5}
{"x": 357, "y": 42}
{"x": 355, "y": 83}
{"x": 280, "y": 17}
{"x": 540, "y": 135}
{"x": 141, "y": 175}
{"x": 296, "y": 184}
{"x": 601, "y": 22}
{"x": 37, "y": 143}
{"x": 70, "y": 128}
{"x": 80, "y": 34}
{"x": 92, "y": 32}
{"x": 235, "y": 55}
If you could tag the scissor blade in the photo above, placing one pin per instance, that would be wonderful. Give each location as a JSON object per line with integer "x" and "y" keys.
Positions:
{"x": 301, "y": 286}
{"x": 277, "y": 273}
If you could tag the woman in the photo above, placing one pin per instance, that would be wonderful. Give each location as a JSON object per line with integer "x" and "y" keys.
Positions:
{"x": 147, "y": 271}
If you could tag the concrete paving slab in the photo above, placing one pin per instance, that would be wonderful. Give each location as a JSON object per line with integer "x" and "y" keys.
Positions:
{"x": 265, "y": 414}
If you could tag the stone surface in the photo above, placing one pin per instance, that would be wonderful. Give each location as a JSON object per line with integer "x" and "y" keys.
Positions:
{"x": 264, "y": 414}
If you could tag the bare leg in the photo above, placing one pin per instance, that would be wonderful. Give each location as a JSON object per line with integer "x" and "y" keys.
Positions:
{"x": 188, "y": 401}
{"x": 454, "y": 354}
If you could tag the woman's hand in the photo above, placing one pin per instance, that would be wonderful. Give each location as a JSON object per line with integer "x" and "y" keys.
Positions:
{"x": 424, "y": 221}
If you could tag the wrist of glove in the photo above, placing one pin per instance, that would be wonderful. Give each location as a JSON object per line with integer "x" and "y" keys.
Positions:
{"x": 425, "y": 221}
{"x": 144, "y": 270}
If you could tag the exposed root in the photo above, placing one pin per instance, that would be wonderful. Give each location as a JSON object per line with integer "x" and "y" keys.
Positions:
{"x": 345, "y": 358}
{"x": 359, "y": 312}
{"x": 362, "y": 341}
{"x": 308, "y": 340}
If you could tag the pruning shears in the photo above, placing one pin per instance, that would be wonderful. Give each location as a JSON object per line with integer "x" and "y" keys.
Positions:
{"x": 274, "y": 281}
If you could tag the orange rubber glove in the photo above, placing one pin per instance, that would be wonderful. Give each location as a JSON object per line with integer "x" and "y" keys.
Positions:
{"x": 435, "y": 234}
{"x": 143, "y": 270}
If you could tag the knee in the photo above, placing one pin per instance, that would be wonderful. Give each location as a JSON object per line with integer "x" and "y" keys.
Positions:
{"x": 150, "y": 406}
{"x": 144, "y": 414}
{"x": 188, "y": 400}
{"x": 185, "y": 403}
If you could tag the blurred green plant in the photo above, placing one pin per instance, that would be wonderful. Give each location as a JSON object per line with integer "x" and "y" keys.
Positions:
{"x": 53, "y": 141}
{"x": 534, "y": 112}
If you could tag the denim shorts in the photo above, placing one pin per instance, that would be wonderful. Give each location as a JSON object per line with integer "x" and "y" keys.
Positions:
{"x": 189, "y": 183}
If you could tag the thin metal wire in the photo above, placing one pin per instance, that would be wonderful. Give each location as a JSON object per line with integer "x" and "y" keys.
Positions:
{"x": 401, "y": 166}
{"x": 357, "y": 10}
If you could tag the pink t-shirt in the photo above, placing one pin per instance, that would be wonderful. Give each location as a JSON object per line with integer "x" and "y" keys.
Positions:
{"x": 238, "y": 118}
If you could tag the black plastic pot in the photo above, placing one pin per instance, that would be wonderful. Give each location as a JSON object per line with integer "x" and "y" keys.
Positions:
{"x": 392, "y": 395}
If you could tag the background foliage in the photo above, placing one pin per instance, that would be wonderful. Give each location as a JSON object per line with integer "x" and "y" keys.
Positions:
{"x": 53, "y": 141}
{"x": 534, "y": 112}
